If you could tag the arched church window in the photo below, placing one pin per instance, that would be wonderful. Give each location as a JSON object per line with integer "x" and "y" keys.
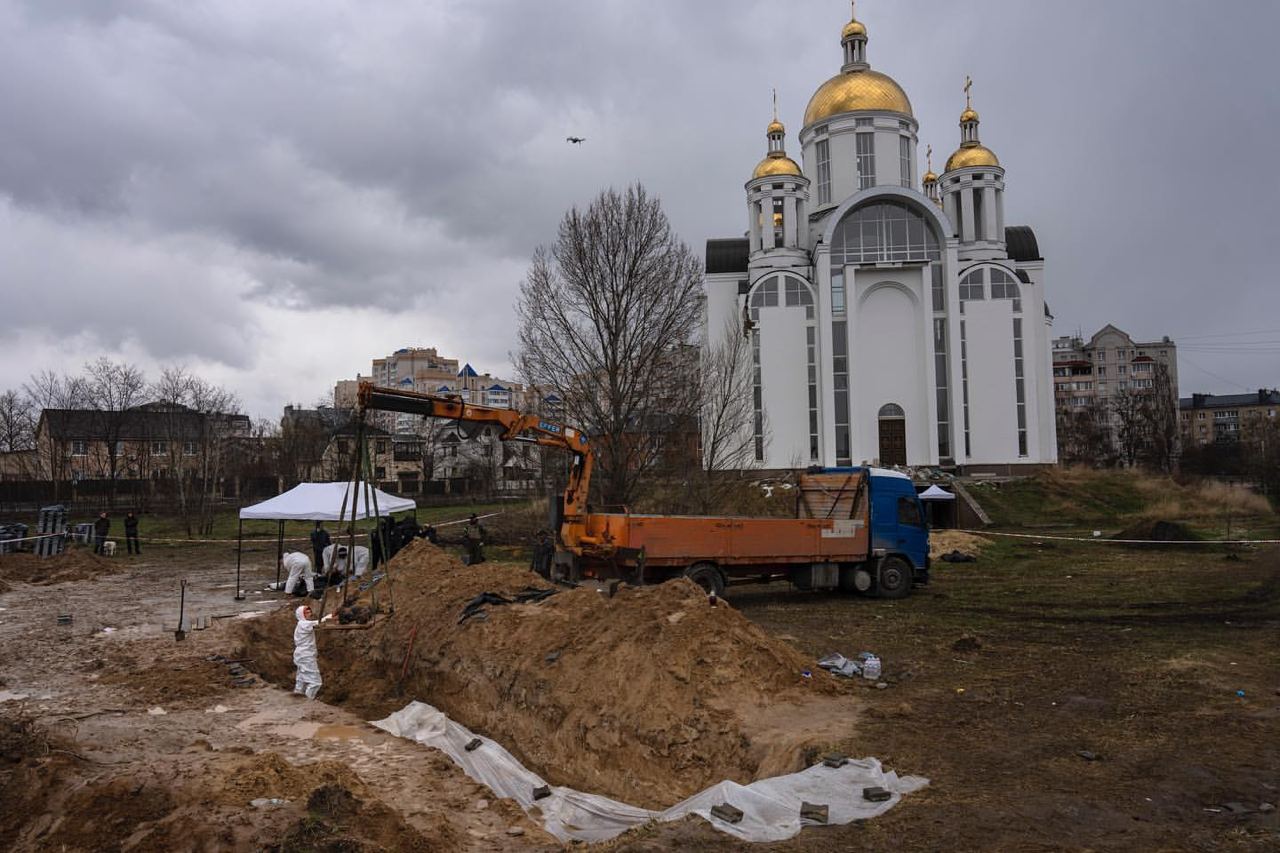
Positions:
{"x": 784, "y": 291}
{"x": 892, "y": 410}
{"x": 972, "y": 286}
{"x": 790, "y": 293}
{"x": 884, "y": 231}
{"x": 1005, "y": 286}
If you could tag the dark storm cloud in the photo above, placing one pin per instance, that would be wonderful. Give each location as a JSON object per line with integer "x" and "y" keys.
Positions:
{"x": 226, "y": 157}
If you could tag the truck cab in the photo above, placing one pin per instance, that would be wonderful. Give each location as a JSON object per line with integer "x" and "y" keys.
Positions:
{"x": 898, "y": 526}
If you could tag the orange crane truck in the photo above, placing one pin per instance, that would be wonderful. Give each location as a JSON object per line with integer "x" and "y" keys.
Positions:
{"x": 857, "y": 529}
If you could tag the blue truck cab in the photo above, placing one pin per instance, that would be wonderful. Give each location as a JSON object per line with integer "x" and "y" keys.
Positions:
{"x": 898, "y": 525}
{"x": 899, "y": 542}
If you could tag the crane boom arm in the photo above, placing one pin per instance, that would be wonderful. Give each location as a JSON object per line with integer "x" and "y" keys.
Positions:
{"x": 515, "y": 427}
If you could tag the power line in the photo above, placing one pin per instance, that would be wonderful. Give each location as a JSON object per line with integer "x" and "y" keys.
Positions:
{"x": 1208, "y": 372}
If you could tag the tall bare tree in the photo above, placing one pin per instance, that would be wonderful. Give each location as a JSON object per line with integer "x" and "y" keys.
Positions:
{"x": 1161, "y": 414}
{"x": 46, "y": 391}
{"x": 603, "y": 312}
{"x": 197, "y": 431}
{"x": 1129, "y": 413}
{"x": 726, "y": 412}
{"x": 113, "y": 388}
{"x": 17, "y": 422}
{"x": 1084, "y": 435}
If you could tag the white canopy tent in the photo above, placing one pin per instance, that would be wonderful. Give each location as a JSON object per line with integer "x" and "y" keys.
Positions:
{"x": 940, "y": 507}
{"x": 326, "y": 502}
{"x": 356, "y": 501}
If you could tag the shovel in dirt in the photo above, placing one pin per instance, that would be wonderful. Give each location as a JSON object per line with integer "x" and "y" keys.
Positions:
{"x": 182, "y": 606}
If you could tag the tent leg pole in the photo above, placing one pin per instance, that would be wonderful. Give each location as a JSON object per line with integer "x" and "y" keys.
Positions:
{"x": 279, "y": 551}
{"x": 239, "y": 549}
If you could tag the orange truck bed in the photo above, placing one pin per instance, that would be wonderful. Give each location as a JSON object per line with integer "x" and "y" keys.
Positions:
{"x": 681, "y": 540}
{"x": 832, "y": 528}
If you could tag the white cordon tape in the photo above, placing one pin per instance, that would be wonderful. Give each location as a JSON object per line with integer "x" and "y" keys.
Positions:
{"x": 215, "y": 541}
{"x": 1101, "y": 541}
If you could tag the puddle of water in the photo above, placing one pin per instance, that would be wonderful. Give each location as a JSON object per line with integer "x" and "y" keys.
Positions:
{"x": 12, "y": 696}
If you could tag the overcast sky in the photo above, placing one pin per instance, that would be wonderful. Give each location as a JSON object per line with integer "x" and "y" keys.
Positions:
{"x": 273, "y": 193}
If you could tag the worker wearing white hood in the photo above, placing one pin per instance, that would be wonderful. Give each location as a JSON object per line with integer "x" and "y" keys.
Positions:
{"x": 299, "y": 566}
{"x": 308, "y": 680}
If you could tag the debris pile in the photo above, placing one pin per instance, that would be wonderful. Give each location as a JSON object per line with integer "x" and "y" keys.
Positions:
{"x": 75, "y": 565}
{"x": 647, "y": 696}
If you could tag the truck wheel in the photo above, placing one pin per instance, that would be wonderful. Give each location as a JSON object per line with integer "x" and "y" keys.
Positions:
{"x": 707, "y": 576}
{"x": 895, "y": 578}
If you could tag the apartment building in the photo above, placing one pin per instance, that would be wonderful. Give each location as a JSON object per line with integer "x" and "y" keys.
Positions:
{"x": 1225, "y": 418}
{"x": 1090, "y": 376}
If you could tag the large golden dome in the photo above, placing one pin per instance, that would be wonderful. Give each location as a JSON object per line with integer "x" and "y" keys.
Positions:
{"x": 972, "y": 155}
{"x": 771, "y": 166}
{"x": 856, "y": 90}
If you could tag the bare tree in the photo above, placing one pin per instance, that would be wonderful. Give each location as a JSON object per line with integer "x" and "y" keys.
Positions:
{"x": 1161, "y": 414}
{"x": 114, "y": 388}
{"x": 1129, "y": 411}
{"x": 602, "y": 311}
{"x": 48, "y": 391}
{"x": 17, "y": 422}
{"x": 726, "y": 412}
{"x": 1084, "y": 435}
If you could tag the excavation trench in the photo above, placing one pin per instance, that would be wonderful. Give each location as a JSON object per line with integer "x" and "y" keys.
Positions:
{"x": 646, "y": 697}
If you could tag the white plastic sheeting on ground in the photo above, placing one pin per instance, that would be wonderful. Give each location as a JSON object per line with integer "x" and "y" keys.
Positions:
{"x": 325, "y": 502}
{"x": 771, "y": 807}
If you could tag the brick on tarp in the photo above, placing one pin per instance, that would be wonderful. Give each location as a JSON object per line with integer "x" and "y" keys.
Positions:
{"x": 726, "y": 813}
{"x": 816, "y": 813}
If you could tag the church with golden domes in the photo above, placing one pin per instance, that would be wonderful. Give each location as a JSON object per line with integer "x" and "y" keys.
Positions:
{"x": 891, "y": 321}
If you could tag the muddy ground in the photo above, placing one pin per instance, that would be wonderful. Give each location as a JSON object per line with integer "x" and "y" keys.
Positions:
{"x": 1000, "y": 675}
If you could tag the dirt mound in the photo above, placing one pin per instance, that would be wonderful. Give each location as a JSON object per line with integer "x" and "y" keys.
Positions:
{"x": 648, "y": 696}
{"x": 1158, "y": 531}
{"x": 172, "y": 683}
{"x": 268, "y": 775}
{"x": 73, "y": 565}
{"x": 945, "y": 541}
{"x": 339, "y": 820}
{"x": 102, "y": 816}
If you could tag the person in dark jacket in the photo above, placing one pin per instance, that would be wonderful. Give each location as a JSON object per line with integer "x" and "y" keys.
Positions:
{"x": 101, "y": 528}
{"x": 319, "y": 541}
{"x": 131, "y": 534}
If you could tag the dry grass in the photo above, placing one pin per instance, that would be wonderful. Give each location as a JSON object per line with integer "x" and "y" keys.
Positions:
{"x": 1199, "y": 500}
{"x": 1102, "y": 498}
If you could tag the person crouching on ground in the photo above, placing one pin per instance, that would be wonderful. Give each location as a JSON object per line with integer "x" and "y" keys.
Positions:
{"x": 308, "y": 681}
{"x": 299, "y": 566}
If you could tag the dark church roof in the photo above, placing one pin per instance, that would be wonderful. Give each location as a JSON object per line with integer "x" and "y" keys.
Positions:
{"x": 1021, "y": 243}
{"x": 727, "y": 255}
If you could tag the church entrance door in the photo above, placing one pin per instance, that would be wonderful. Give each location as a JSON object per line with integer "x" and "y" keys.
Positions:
{"x": 893, "y": 435}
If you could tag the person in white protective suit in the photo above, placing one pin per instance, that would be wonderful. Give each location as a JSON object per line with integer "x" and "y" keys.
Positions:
{"x": 299, "y": 566}
{"x": 308, "y": 681}
{"x": 337, "y": 559}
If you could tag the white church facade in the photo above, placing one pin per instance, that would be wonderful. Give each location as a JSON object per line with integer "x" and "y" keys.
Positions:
{"x": 888, "y": 324}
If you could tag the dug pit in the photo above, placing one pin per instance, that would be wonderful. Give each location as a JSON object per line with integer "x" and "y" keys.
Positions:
{"x": 648, "y": 696}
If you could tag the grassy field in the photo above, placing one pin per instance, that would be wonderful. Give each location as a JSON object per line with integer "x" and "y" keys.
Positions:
{"x": 1160, "y": 663}
{"x": 1081, "y": 499}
